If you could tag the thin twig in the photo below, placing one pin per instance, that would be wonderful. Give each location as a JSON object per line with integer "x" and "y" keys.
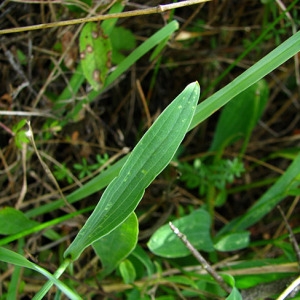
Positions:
{"x": 294, "y": 285}
{"x": 294, "y": 28}
{"x": 291, "y": 235}
{"x": 27, "y": 114}
{"x": 17, "y": 68}
{"x": 29, "y": 134}
{"x": 201, "y": 259}
{"x": 144, "y": 101}
{"x": 152, "y": 10}
{"x": 24, "y": 185}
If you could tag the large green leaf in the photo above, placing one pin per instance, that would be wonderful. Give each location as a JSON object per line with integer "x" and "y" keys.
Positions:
{"x": 150, "y": 156}
{"x": 206, "y": 108}
{"x": 195, "y": 226}
{"x": 125, "y": 236}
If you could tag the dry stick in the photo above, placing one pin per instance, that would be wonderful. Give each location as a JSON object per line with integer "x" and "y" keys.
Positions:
{"x": 294, "y": 28}
{"x": 6, "y": 168}
{"x": 24, "y": 185}
{"x": 201, "y": 259}
{"x": 27, "y": 114}
{"x": 17, "y": 67}
{"x": 144, "y": 101}
{"x": 291, "y": 235}
{"x": 29, "y": 134}
{"x": 293, "y": 286}
{"x": 138, "y": 12}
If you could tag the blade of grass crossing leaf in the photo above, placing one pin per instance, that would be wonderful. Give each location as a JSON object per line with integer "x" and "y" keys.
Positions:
{"x": 77, "y": 79}
{"x": 94, "y": 185}
{"x": 145, "y": 47}
{"x": 150, "y": 156}
{"x": 150, "y": 43}
{"x": 104, "y": 178}
{"x": 47, "y": 286}
{"x": 109, "y": 24}
{"x": 203, "y": 111}
{"x": 263, "y": 67}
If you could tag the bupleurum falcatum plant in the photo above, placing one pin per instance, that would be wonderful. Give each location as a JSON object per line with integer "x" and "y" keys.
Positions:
{"x": 89, "y": 250}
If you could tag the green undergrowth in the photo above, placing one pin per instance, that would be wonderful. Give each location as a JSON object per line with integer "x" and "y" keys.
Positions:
{"x": 138, "y": 270}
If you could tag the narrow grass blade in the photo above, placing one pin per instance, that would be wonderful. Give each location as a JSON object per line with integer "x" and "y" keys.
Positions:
{"x": 150, "y": 156}
{"x": 288, "y": 181}
{"x": 149, "y": 44}
{"x": 203, "y": 111}
{"x": 144, "y": 48}
{"x": 47, "y": 286}
{"x": 13, "y": 287}
{"x": 43, "y": 226}
{"x": 263, "y": 67}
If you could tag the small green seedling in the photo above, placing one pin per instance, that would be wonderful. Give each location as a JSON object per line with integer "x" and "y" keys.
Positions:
{"x": 20, "y": 134}
{"x": 62, "y": 173}
{"x": 84, "y": 169}
{"x": 95, "y": 54}
{"x": 217, "y": 174}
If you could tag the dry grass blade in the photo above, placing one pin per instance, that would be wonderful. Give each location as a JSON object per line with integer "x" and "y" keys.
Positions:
{"x": 148, "y": 11}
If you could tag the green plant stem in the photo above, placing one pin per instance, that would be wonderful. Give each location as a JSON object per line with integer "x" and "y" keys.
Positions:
{"x": 47, "y": 286}
{"x": 13, "y": 287}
